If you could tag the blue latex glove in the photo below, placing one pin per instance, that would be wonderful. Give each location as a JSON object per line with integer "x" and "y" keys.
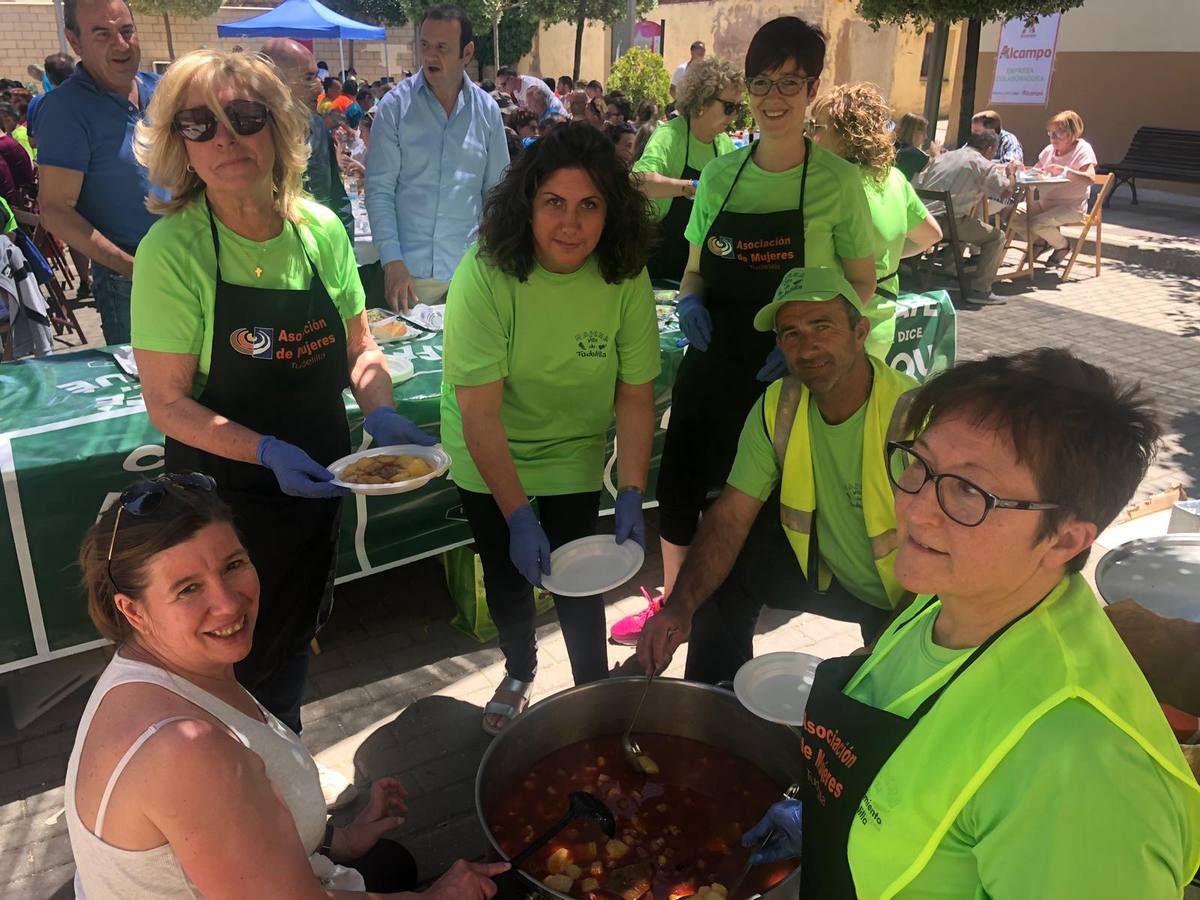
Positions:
{"x": 388, "y": 428}
{"x": 774, "y": 368}
{"x": 631, "y": 521}
{"x": 528, "y": 546}
{"x": 694, "y": 321}
{"x": 298, "y": 474}
{"x": 786, "y": 817}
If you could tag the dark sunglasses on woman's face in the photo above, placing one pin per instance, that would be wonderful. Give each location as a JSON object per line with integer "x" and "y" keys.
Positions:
{"x": 731, "y": 107}
{"x": 199, "y": 124}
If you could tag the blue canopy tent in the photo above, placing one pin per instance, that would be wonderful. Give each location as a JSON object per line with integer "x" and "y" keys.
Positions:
{"x": 307, "y": 19}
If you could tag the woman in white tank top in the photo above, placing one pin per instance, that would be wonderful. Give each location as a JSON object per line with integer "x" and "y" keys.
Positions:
{"x": 179, "y": 783}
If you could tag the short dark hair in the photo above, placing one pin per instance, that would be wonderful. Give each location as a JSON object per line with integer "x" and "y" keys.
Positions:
{"x": 595, "y": 85}
{"x": 551, "y": 83}
{"x": 985, "y": 142}
{"x": 487, "y": 85}
{"x": 697, "y": 44}
{"x": 506, "y": 232}
{"x": 568, "y": 79}
{"x": 647, "y": 111}
{"x": 364, "y": 94}
{"x": 619, "y": 101}
{"x": 58, "y": 68}
{"x": 506, "y": 72}
{"x": 989, "y": 119}
{"x": 322, "y": 65}
{"x": 8, "y": 111}
{"x": 784, "y": 40}
{"x": 615, "y": 131}
{"x": 1087, "y": 437}
{"x": 519, "y": 118}
{"x": 350, "y": 86}
{"x": 445, "y": 12}
{"x": 329, "y": 82}
{"x": 182, "y": 513}
{"x": 514, "y": 143}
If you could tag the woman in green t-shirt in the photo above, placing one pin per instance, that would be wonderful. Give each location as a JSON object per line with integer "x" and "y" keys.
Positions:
{"x": 247, "y": 323}
{"x": 550, "y": 329}
{"x": 852, "y": 121}
{"x": 710, "y": 97}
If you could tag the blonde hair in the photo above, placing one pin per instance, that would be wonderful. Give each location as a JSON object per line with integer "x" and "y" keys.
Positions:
{"x": 1068, "y": 120}
{"x": 160, "y": 148}
{"x": 705, "y": 79}
{"x": 859, "y": 116}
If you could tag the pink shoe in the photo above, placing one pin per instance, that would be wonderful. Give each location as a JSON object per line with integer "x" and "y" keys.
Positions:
{"x": 629, "y": 629}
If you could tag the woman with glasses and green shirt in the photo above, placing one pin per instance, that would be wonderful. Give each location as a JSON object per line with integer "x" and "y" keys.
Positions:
{"x": 248, "y": 322}
{"x": 999, "y": 741}
{"x": 852, "y": 122}
{"x": 709, "y": 99}
{"x": 776, "y": 205}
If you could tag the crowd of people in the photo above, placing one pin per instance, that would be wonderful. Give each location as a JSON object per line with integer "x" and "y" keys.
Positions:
{"x": 993, "y": 707}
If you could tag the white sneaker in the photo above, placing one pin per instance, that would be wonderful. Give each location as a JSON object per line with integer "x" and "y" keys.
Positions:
{"x": 339, "y": 790}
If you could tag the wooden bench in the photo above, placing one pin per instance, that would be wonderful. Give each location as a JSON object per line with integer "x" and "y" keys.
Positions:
{"x": 1165, "y": 154}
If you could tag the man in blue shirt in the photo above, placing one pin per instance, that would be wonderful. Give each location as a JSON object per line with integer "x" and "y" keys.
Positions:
{"x": 437, "y": 148}
{"x": 1008, "y": 145}
{"x": 93, "y": 191}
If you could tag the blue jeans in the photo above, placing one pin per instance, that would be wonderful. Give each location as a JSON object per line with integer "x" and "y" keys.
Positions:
{"x": 112, "y": 291}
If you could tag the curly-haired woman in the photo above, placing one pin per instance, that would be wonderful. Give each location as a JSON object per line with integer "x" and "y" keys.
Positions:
{"x": 248, "y": 322}
{"x": 550, "y": 330}
{"x": 709, "y": 98}
{"x": 852, "y": 121}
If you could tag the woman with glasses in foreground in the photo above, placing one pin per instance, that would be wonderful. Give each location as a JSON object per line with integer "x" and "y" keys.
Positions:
{"x": 180, "y": 784}
{"x": 999, "y": 741}
{"x": 709, "y": 99}
{"x": 248, "y": 322}
{"x": 778, "y": 204}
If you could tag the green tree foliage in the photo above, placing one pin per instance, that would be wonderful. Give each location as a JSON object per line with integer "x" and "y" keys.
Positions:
{"x": 922, "y": 12}
{"x": 640, "y": 75}
{"x": 578, "y": 12}
{"x": 517, "y": 26}
{"x": 188, "y": 9}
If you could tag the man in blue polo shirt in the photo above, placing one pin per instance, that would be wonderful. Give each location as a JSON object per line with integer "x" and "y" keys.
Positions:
{"x": 92, "y": 191}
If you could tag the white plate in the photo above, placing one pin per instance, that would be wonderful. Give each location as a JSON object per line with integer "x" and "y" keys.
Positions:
{"x": 1161, "y": 573}
{"x": 400, "y": 367}
{"x": 592, "y": 565}
{"x": 435, "y": 456}
{"x": 775, "y": 686}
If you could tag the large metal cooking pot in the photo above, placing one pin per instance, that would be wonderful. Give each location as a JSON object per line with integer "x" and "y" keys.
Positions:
{"x": 680, "y": 708}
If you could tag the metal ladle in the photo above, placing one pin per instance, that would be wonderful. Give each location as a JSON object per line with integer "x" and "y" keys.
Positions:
{"x": 637, "y": 760}
{"x": 790, "y": 794}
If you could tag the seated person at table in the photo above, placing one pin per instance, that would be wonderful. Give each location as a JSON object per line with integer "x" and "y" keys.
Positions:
{"x": 811, "y": 451}
{"x": 911, "y": 133}
{"x": 1061, "y": 204}
{"x": 968, "y": 173}
{"x": 1008, "y": 147}
{"x": 1003, "y": 743}
{"x": 180, "y": 784}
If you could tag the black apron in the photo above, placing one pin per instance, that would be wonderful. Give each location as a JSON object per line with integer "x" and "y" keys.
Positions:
{"x": 670, "y": 258}
{"x": 278, "y": 367}
{"x": 742, "y": 261}
{"x": 866, "y": 738}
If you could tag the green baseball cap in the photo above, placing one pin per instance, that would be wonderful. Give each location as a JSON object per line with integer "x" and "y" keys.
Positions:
{"x": 807, "y": 283}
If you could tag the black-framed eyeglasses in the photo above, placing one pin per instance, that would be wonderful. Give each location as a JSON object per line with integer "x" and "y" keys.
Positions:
{"x": 788, "y": 85}
{"x": 199, "y": 124}
{"x": 961, "y": 499}
{"x": 731, "y": 107}
{"x": 143, "y": 497}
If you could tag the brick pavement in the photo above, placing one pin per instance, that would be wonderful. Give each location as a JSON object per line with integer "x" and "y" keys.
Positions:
{"x": 397, "y": 691}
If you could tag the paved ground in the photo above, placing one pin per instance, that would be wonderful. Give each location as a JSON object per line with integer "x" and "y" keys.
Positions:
{"x": 397, "y": 691}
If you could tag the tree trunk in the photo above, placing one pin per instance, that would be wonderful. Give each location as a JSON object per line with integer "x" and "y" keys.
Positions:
{"x": 170, "y": 40}
{"x": 496, "y": 43}
{"x": 966, "y": 105}
{"x": 579, "y": 22}
{"x": 933, "y": 83}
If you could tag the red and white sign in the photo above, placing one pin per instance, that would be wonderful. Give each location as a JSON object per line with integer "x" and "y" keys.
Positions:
{"x": 1025, "y": 62}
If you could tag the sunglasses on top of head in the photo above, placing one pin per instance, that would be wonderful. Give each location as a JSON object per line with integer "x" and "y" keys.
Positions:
{"x": 199, "y": 124}
{"x": 143, "y": 497}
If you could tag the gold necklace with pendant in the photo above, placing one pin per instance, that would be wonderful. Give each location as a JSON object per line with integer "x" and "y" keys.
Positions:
{"x": 258, "y": 269}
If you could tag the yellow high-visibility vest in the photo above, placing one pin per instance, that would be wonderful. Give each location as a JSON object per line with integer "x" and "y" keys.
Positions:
{"x": 786, "y": 410}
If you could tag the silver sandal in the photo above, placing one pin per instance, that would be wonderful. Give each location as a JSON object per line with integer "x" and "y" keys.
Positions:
{"x": 509, "y": 711}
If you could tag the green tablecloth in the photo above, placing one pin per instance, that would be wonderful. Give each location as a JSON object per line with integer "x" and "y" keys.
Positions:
{"x": 74, "y": 433}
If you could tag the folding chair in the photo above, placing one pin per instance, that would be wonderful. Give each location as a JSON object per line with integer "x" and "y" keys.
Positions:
{"x": 1095, "y": 217}
{"x": 949, "y": 235}
{"x": 62, "y": 316}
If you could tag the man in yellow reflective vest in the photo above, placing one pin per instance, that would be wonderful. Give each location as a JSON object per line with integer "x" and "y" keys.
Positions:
{"x": 807, "y": 518}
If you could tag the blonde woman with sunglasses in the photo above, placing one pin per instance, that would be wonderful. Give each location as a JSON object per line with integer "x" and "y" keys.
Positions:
{"x": 247, "y": 324}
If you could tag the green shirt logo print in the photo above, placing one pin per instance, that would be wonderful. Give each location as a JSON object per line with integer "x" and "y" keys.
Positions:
{"x": 592, "y": 345}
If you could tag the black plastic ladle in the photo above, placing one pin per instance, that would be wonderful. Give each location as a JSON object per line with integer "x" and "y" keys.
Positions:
{"x": 581, "y": 806}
